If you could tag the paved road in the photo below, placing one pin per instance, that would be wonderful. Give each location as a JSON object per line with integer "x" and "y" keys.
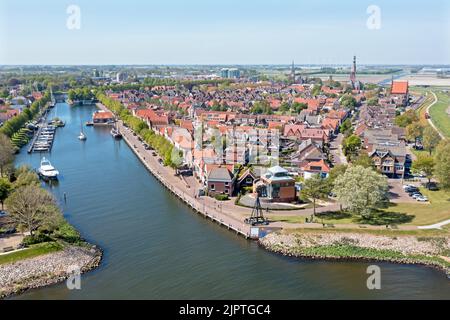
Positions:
{"x": 336, "y": 150}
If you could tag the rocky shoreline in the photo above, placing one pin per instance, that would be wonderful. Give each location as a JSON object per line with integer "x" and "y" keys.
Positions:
{"x": 47, "y": 269}
{"x": 366, "y": 247}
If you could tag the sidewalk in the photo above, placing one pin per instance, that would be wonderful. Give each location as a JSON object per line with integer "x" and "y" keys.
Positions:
{"x": 204, "y": 205}
{"x": 224, "y": 212}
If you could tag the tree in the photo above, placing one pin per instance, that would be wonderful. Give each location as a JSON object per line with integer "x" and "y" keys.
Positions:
{"x": 372, "y": 101}
{"x": 31, "y": 207}
{"x": 346, "y": 127}
{"x": 315, "y": 188}
{"x": 351, "y": 146}
{"x": 348, "y": 101}
{"x": 5, "y": 188}
{"x": 414, "y": 131}
{"x": 316, "y": 89}
{"x": 6, "y": 152}
{"x": 25, "y": 176}
{"x": 361, "y": 190}
{"x": 364, "y": 160}
{"x": 297, "y": 107}
{"x": 406, "y": 118}
{"x": 336, "y": 172}
{"x": 430, "y": 139}
{"x": 424, "y": 164}
{"x": 442, "y": 164}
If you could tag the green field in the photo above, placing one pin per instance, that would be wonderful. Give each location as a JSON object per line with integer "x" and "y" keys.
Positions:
{"x": 33, "y": 251}
{"x": 439, "y": 115}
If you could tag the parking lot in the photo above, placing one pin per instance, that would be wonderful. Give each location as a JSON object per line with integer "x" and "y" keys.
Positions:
{"x": 398, "y": 195}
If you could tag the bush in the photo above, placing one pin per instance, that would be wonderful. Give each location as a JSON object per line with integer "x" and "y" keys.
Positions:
{"x": 221, "y": 197}
{"x": 36, "y": 238}
{"x": 245, "y": 190}
{"x": 67, "y": 233}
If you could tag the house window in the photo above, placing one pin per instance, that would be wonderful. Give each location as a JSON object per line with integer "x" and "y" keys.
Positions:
{"x": 227, "y": 184}
{"x": 226, "y": 191}
{"x": 213, "y": 187}
{"x": 248, "y": 180}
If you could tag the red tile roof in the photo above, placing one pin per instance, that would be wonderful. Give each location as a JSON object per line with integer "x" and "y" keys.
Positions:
{"x": 399, "y": 87}
{"x": 103, "y": 115}
{"x": 317, "y": 166}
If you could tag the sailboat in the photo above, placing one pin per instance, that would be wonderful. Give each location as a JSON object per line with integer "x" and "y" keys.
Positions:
{"x": 82, "y": 136}
{"x": 115, "y": 132}
{"x": 52, "y": 102}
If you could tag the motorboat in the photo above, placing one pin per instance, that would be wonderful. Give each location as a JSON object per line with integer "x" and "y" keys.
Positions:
{"x": 47, "y": 171}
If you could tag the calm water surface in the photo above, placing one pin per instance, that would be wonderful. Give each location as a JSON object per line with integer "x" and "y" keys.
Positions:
{"x": 157, "y": 248}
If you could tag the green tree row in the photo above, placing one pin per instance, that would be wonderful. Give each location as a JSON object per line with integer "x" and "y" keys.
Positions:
{"x": 14, "y": 124}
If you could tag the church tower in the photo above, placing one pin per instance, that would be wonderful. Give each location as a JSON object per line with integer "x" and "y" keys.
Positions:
{"x": 293, "y": 72}
{"x": 353, "y": 72}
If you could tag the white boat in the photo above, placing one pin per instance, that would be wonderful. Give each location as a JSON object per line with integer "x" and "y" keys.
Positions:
{"x": 116, "y": 133}
{"x": 46, "y": 170}
{"x": 82, "y": 136}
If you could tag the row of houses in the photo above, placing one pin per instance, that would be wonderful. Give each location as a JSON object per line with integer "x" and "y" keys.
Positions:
{"x": 384, "y": 142}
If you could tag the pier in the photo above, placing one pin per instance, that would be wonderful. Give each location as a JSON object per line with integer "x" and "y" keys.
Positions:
{"x": 43, "y": 140}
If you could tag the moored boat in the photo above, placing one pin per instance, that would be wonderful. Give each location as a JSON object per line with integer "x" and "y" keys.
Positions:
{"x": 47, "y": 171}
{"x": 116, "y": 133}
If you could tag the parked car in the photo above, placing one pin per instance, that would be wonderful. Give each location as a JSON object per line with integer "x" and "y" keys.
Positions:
{"x": 412, "y": 191}
{"x": 416, "y": 195}
{"x": 432, "y": 186}
{"x": 2, "y": 213}
{"x": 422, "y": 199}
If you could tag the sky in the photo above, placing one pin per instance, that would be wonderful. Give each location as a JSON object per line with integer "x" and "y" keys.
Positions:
{"x": 224, "y": 32}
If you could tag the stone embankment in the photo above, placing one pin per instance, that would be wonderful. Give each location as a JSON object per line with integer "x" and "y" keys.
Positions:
{"x": 433, "y": 251}
{"x": 47, "y": 269}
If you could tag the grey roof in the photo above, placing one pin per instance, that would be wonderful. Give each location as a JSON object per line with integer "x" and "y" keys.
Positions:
{"x": 220, "y": 174}
{"x": 277, "y": 169}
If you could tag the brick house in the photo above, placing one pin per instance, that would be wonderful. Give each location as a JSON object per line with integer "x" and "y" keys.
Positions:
{"x": 220, "y": 181}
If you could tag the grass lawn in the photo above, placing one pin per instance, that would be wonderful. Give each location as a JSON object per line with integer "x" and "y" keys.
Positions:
{"x": 32, "y": 251}
{"x": 437, "y": 211}
{"x": 397, "y": 213}
{"x": 439, "y": 114}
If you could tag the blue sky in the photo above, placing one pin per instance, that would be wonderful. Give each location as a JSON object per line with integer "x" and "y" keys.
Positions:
{"x": 224, "y": 32}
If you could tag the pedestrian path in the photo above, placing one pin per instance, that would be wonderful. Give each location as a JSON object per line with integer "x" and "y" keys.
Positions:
{"x": 436, "y": 225}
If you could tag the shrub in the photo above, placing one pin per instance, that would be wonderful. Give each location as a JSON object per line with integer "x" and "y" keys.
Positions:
{"x": 36, "y": 238}
{"x": 67, "y": 233}
{"x": 221, "y": 197}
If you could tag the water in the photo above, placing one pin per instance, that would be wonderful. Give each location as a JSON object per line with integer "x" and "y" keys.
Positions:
{"x": 157, "y": 248}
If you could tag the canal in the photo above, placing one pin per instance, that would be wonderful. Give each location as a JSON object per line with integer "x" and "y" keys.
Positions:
{"x": 157, "y": 248}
